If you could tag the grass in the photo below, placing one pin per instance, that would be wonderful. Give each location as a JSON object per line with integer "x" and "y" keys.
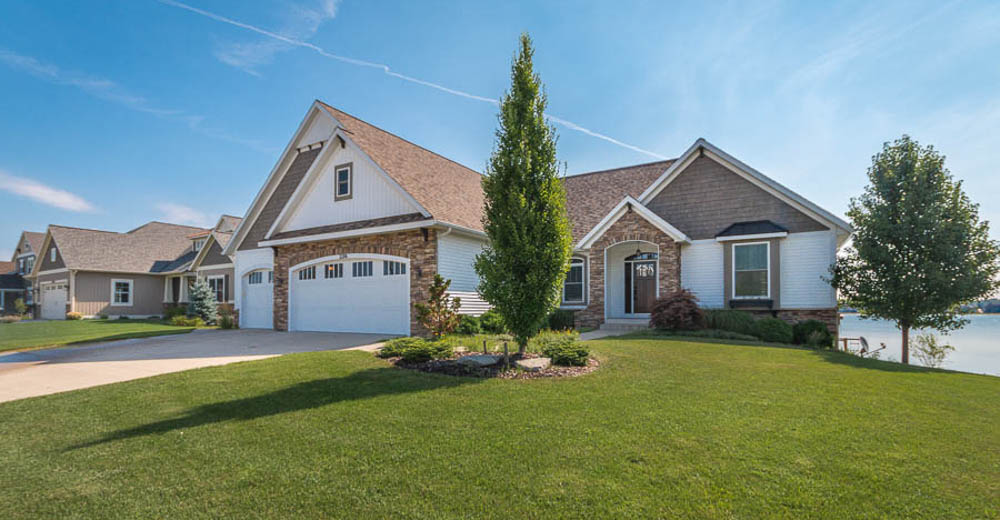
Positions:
{"x": 40, "y": 334}
{"x": 664, "y": 429}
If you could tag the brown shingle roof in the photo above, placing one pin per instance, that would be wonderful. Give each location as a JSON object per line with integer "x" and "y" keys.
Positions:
{"x": 7, "y": 267}
{"x": 137, "y": 251}
{"x": 449, "y": 191}
{"x": 228, "y": 223}
{"x": 350, "y": 226}
{"x": 35, "y": 240}
{"x": 590, "y": 196}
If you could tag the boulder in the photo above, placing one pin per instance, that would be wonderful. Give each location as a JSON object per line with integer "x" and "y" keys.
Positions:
{"x": 479, "y": 360}
{"x": 533, "y": 364}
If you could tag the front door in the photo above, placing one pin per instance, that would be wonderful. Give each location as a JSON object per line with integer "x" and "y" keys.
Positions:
{"x": 640, "y": 283}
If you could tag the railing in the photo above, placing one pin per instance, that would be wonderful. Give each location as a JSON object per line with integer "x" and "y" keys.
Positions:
{"x": 859, "y": 346}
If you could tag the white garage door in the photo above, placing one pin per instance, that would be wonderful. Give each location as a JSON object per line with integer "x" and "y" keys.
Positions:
{"x": 54, "y": 301}
{"x": 256, "y": 295}
{"x": 351, "y": 294}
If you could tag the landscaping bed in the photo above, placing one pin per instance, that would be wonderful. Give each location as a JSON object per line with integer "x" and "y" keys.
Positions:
{"x": 454, "y": 366}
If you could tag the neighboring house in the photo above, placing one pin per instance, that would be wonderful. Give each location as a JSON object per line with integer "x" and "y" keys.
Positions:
{"x": 136, "y": 274}
{"x": 353, "y": 222}
{"x": 12, "y": 282}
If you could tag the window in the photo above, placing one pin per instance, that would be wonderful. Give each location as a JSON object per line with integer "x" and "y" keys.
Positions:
{"x": 334, "y": 271}
{"x": 218, "y": 286}
{"x": 121, "y": 293}
{"x": 29, "y": 264}
{"x": 343, "y": 182}
{"x": 21, "y": 265}
{"x": 270, "y": 277}
{"x": 255, "y": 278}
{"x": 361, "y": 269}
{"x": 308, "y": 273}
{"x": 573, "y": 286}
{"x": 751, "y": 278}
{"x": 29, "y": 296}
{"x": 52, "y": 254}
{"x": 391, "y": 268}
{"x": 198, "y": 244}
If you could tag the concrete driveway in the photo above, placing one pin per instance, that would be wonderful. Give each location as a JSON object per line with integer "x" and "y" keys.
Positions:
{"x": 41, "y": 372}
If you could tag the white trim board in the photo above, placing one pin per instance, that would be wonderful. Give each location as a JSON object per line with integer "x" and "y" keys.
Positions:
{"x": 619, "y": 211}
{"x": 367, "y": 231}
{"x": 757, "y": 236}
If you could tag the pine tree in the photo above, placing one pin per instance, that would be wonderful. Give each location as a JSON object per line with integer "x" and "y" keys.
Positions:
{"x": 440, "y": 313}
{"x": 203, "y": 304}
{"x": 523, "y": 267}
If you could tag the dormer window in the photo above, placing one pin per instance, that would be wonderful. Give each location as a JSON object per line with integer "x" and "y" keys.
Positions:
{"x": 198, "y": 244}
{"x": 343, "y": 181}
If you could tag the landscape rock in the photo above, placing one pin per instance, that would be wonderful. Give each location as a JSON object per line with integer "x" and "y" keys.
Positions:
{"x": 479, "y": 360}
{"x": 533, "y": 364}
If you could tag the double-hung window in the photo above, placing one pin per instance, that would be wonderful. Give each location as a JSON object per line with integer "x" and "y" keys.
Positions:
{"x": 573, "y": 286}
{"x": 392, "y": 268}
{"x": 361, "y": 269}
{"x": 343, "y": 182}
{"x": 121, "y": 293}
{"x": 218, "y": 286}
{"x": 751, "y": 276}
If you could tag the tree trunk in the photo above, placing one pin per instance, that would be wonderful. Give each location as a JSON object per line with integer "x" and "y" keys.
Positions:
{"x": 521, "y": 349}
{"x": 906, "y": 344}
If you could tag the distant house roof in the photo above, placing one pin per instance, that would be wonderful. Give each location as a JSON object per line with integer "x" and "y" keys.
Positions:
{"x": 450, "y": 192}
{"x": 147, "y": 249}
{"x": 7, "y": 267}
{"x": 228, "y": 224}
{"x": 590, "y": 196}
{"x": 35, "y": 240}
{"x": 756, "y": 227}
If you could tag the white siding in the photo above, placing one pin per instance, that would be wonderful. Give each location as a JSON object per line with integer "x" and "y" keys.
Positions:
{"x": 319, "y": 129}
{"x": 456, "y": 258}
{"x": 372, "y": 195}
{"x": 805, "y": 261}
{"x": 246, "y": 261}
{"x": 472, "y": 303}
{"x": 702, "y": 272}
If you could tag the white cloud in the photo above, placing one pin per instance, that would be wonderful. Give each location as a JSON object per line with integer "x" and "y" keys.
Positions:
{"x": 109, "y": 90}
{"x": 48, "y": 195}
{"x": 180, "y": 214}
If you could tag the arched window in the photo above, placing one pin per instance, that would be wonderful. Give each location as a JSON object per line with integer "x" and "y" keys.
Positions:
{"x": 573, "y": 287}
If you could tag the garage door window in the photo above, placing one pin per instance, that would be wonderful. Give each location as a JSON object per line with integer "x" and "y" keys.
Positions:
{"x": 255, "y": 278}
{"x": 334, "y": 271}
{"x": 309, "y": 273}
{"x": 121, "y": 292}
{"x": 361, "y": 269}
{"x": 392, "y": 268}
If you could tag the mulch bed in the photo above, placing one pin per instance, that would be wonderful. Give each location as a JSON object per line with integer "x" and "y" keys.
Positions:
{"x": 452, "y": 367}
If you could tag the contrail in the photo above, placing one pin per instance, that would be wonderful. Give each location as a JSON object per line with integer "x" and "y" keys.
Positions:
{"x": 385, "y": 69}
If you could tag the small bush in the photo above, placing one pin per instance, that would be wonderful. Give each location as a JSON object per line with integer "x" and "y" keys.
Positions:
{"x": 741, "y": 322}
{"x": 803, "y": 330}
{"x": 20, "y": 307}
{"x": 395, "y": 347}
{"x": 427, "y": 351}
{"x": 820, "y": 339}
{"x": 74, "y": 316}
{"x": 773, "y": 330}
{"x": 929, "y": 352}
{"x": 492, "y": 323}
{"x": 677, "y": 311}
{"x": 175, "y": 310}
{"x": 184, "y": 321}
{"x": 468, "y": 325}
{"x": 562, "y": 319}
{"x": 226, "y": 321}
{"x": 10, "y": 318}
{"x": 566, "y": 351}
{"x": 123, "y": 317}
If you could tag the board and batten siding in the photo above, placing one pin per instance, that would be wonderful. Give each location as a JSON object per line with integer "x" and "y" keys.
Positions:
{"x": 456, "y": 261}
{"x": 93, "y": 294}
{"x": 702, "y": 272}
{"x": 372, "y": 195}
{"x": 805, "y": 260}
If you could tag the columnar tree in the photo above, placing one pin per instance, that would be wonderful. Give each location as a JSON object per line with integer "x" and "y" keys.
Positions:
{"x": 523, "y": 267}
{"x": 919, "y": 247}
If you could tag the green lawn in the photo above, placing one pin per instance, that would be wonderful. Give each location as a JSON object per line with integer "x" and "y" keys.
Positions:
{"x": 663, "y": 429}
{"x": 36, "y": 334}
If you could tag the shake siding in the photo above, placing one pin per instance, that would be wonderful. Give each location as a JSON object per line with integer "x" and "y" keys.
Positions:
{"x": 46, "y": 256}
{"x": 706, "y": 197}
{"x": 805, "y": 260}
{"x": 214, "y": 256}
{"x": 281, "y": 194}
{"x": 702, "y": 272}
{"x": 93, "y": 294}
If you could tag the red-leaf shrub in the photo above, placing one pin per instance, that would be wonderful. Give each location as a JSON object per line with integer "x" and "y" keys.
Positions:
{"x": 677, "y": 311}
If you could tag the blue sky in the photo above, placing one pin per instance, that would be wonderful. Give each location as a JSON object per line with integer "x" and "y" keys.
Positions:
{"x": 121, "y": 112}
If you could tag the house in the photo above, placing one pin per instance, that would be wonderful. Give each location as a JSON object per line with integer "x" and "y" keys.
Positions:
{"x": 353, "y": 222}
{"x": 136, "y": 274}
{"x": 12, "y": 282}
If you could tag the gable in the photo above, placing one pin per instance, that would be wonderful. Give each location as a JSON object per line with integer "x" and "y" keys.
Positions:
{"x": 296, "y": 171}
{"x": 214, "y": 255}
{"x": 706, "y": 197}
{"x": 372, "y": 195}
{"x": 47, "y": 264}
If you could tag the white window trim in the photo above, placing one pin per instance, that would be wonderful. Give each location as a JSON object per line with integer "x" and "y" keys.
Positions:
{"x": 199, "y": 243}
{"x": 577, "y": 303}
{"x": 733, "y": 273}
{"x": 218, "y": 277}
{"x": 52, "y": 254}
{"x": 131, "y": 292}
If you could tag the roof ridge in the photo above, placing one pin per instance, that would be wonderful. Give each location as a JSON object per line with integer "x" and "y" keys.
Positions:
{"x": 167, "y": 224}
{"x": 407, "y": 141}
{"x": 85, "y": 229}
{"x": 620, "y": 168}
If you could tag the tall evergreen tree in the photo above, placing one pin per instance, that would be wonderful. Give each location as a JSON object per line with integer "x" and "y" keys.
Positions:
{"x": 919, "y": 248}
{"x": 523, "y": 267}
{"x": 203, "y": 304}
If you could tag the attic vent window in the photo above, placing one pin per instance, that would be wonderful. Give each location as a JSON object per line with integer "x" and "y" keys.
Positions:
{"x": 198, "y": 244}
{"x": 343, "y": 181}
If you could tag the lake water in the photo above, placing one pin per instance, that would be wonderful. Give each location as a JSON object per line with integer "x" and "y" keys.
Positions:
{"x": 977, "y": 346}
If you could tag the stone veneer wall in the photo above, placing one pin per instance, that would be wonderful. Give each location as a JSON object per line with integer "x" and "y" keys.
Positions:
{"x": 628, "y": 228}
{"x": 411, "y": 244}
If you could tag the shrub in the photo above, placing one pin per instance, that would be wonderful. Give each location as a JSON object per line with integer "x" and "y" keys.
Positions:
{"x": 102, "y": 317}
{"x": 226, "y": 321}
{"x": 773, "y": 330}
{"x": 395, "y": 347}
{"x": 175, "y": 310}
{"x": 74, "y": 316}
{"x": 468, "y": 325}
{"x": 123, "y": 317}
{"x": 492, "y": 323}
{"x": 561, "y": 319}
{"x": 741, "y": 322}
{"x": 427, "y": 351}
{"x": 10, "y": 318}
{"x": 20, "y": 307}
{"x": 803, "y": 333}
{"x": 203, "y": 304}
{"x": 928, "y": 351}
{"x": 440, "y": 313}
{"x": 184, "y": 321}
{"x": 677, "y": 311}
{"x": 564, "y": 349}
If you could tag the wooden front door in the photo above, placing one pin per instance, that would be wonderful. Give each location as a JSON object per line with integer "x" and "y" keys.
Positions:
{"x": 644, "y": 286}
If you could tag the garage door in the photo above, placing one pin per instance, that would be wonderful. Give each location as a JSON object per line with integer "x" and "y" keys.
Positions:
{"x": 54, "y": 301}
{"x": 256, "y": 295}
{"x": 351, "y": 294}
